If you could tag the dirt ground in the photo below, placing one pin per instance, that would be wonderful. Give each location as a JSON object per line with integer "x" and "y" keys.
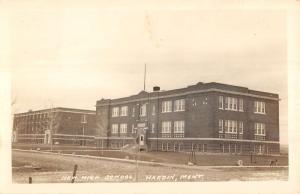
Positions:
{"x": 163, "y": 157}
{"x": 57, "y": 168}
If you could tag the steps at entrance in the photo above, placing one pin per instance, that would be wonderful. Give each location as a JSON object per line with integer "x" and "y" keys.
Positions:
{"x": 130, "y": 148}
{"x": 133, "y": 148}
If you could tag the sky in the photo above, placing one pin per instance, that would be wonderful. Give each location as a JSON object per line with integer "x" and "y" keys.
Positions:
{"x": 71, "y": 55}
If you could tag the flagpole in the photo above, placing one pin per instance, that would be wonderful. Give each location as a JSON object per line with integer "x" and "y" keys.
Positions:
{"x": 145, "y": 77}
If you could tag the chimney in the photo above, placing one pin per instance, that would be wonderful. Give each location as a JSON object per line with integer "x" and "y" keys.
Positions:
{"x": 156, "y": 88}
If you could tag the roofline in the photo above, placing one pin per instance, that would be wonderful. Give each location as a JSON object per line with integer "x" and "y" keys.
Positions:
{"x": 214, "y": 86}
{"x": 59, "y": 109}
{"x": 190, "y": 92}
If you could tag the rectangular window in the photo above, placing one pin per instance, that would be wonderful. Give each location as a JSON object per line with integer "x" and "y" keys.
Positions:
{"x": 133, "y": 112}
{"x": 179, "y": 127}
{"x": 166, "y": 127}
{"x": 152, "y": 127}
{"x": 230, "y": 126}
{"x": 241, "y": 105}
{"x": 166, "y": 106}
{"x": 83, "y": 118}
{"x": 153, "y": 110}
{"x": 234, "y": 103}
{"x": 124, "y": 111}
{"x": 143, "y": 110}
{"x": 179, "y": 105}
{"x": 115, "y": 112}
{"x": 132, "y": 128}
{"x": 123, "y": 128}
{"x": 226, "y": 125}
{"x": 220, "y": 125}
{"x": 234, "y": 127}
{"x": 115, "y": 128}
{"x": 221, "y": 102}
{"x": 259, "y": 107}
{"x": 241, "y": 127}
{"x": 260, "y": 129}
{"x": 226, "y": 103}
{"x": 230, "y": 103}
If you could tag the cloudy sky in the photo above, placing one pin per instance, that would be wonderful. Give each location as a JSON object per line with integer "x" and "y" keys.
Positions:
{"x": 71, "y": 55}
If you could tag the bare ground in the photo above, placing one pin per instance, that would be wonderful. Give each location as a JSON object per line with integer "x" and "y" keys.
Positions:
{"x": 57, "y": 168}
{"x": 202, "y": 159}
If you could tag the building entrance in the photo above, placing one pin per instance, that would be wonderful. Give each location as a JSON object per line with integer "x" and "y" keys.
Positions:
{"x": 47, "y": 137}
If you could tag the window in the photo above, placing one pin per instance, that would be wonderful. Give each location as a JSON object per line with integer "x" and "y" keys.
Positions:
{"x": 234, "y": 103}
{"x": 83, "y": 118}
{"x": 124, "y": 111}
{"x": 115, "y": 112}
{"x": 234, "y": 126}
{"x": 230, "y": 126}
{"x": 115, "y": 128}
{"x": 226, "y": 125}
{"x": 230, "y": 103}
{"x": 143, "y": 110}
{"x": 260, "y": 129}
{"x": 153, "y": 110}
{"x": 167, "y": 106}
{"x": 133, "y": 129}
{"x": 229, "y": 129}
{"x": 133, "y": 112}
{"x": 221, "y": 125}
{"x": 179, "y": 105}
{"x": 166, "y": 127}
{"x": 241, "y": 105}
{"x": 123, "y": 128}
{"x": 220, "y": 102}
{"x": 152, "y": 127}
{"x": 241, "y": 127}
{"x": 179, "y": 127}
{"x": 259, "y": 107}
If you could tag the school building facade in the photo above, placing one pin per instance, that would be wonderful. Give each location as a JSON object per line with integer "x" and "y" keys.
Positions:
{"x": 205, "y": 117}
{"x": 59, "y": 125}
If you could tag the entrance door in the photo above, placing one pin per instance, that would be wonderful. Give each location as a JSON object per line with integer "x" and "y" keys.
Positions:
{"x": 142, "y": 140}
{"x": 47, "y": 137}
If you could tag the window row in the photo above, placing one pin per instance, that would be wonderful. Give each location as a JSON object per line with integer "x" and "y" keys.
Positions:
{"x": 237, "y": 104}
{"x": 230, "y": 103}
{"x": 179, "y": 105}
{"x": 231, "y": 126}
{"x": 166, "y": 127}
{"x": 115, "y": 128}
{"x": 32, "y": 117}
{"x": 123, "y": 111}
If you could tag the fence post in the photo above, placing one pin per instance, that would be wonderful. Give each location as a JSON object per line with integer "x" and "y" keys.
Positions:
{"x": 74, "y": 173}
{"x": 30, "y": 180}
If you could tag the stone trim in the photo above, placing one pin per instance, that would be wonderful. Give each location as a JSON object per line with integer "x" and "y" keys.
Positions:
{"x": 187, "y": 93}
{"x": 215, "y": 139}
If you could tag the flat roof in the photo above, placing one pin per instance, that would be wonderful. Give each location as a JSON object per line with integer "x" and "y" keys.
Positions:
{"x": 200, "y": 87}
{"x": 57, "y": 109}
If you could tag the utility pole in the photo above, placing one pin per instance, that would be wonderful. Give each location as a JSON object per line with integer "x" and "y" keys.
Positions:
{"x": 51, "y": 128}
